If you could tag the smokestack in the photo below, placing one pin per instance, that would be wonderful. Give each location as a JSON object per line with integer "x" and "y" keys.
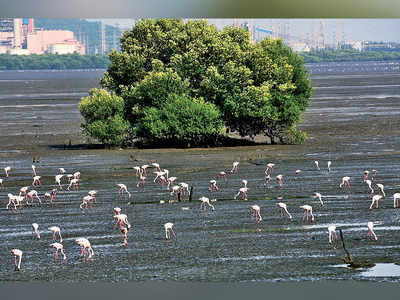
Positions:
{"x": 31, "y": 25}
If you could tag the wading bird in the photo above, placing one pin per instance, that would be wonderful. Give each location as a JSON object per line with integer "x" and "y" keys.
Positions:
{"x": 375, "y": 199}
{"x": 366, "y": 174}
{"x": 329, "y": 166}
{"x": 396, "y": 198}
{"x": 36, "y": 180}
{"x": 32, "y": 194}
{"x": 34, "y": 170}
{"x": 74, "y": 182}
{"x": 279, "y": 178}
{"x": 85, "y": 244}
{"x": 235, "y": 165}
{"x": 242, "y": 192}
{"x": 381, "y": 187}
{"x": 345, "y": 182}
{"x": 35, "y": 228}
{"x": 17, "y": 252}
{"x": 168, "y": 230}
{"x": 58, "y": 180}
{"x": 7, "y": 170}
{"x": 122, "y": 189}
{"x": 317, "y": 164}
{"x": 222, "y": 174}
{"x": 204, "y": 201}
{"x": 371, "y": 232}
{"x": 58, "y": 247}
{"x": 283, "y": 207}
{"x": 332, "y": 233}
{"x": 307, "y": 211}
{"x": 369, "y": 183}
{"x": 256, "y": 213}
{"x": 270, "y": 169}
{"x": 55, "y": 230}
{"x": 319, "y": 196}
{"x": 213, "y": 186}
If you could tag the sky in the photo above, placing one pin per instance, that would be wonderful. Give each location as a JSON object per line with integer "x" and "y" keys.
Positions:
{"x": 380, "y": 30}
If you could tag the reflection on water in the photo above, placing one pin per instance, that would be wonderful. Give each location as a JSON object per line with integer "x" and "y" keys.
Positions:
{"x": 383, "y": 270}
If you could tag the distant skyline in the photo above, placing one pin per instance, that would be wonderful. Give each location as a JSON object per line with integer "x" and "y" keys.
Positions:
{"x": 379, "y": 30}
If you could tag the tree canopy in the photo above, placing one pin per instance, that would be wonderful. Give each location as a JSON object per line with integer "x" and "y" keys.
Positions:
{"x": 173, "y": 74}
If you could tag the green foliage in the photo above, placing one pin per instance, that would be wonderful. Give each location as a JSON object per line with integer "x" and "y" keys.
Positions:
{"x": 294, "y": 136}
{"x": 52, "y": 61}
{"x": 103, "y": 114}
{"x": 348, "y": 55}
{"x": 258, "y": 88}
{"x": 180, "y": 121}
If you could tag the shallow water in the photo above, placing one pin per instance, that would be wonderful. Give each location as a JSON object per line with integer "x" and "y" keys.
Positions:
{"x": 352, "y": 127}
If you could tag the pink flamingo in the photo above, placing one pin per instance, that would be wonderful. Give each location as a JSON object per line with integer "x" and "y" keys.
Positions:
{"x": 58, "y": 180}
{"x": 32, "y": 194}
{"x": 157, "y": 166}
{"x": 380, "y": 187}
{"x": 122, "y": 189}
{"x": 142, "y": 181}
{"x": 158, "y": 175}
{"x": 396, "y": 198}
{"x": 298, "y": 172}
{"x": 235, "y": 165}
{"x": 93, "y": 195}
{"x": 373, "y": 175}
{"x": 34, "y": 170}
{"x": 7, "y": 170}
{"x": 329, "y": 166}
{"x": 59, "y": 247}
{"x": 17, "y": 252}
{"x": 168, "y": 230}
{"x": 61, "y": 170}
{"x": 369, "y": 183}
{"x": 283, "y": 207}
{"x": 184, "y": 187}
{"x": 47, "y": 196}
{"x": 23, "y": 191}
{"x": 77, "y": 175}
{"x": 345, "y": 182}
{"x": 35, "y": 227}
{"x": 319, "y": 196}
{"x": 11, "y": 200}
{"x": 317, "y": 164}
{"x": 175, "y": 189}
{"x": 138, "y": 171}
{"x": 213, "y": 186}
{"x": 170, "y": 181}
{"x": 222, "y": 174}
{"x": 267, "y": 179}
{"x": 256, "y": 213}
{"x": 85, "y": 244}
{"x": 124, "y": 231}
{"x": 307, "y": 211}
{"x": 244, "y": 183}
{"x": 53, "y": 195}
{"x": 242, "y": 192}
{"x": 117, "y": 210}
{"x": 36, "y": 180}
{"x": 370, "y": 226}
{"x": 332, "y": 233}
{"x": 55, "y": 230}
{"x": 270, "y": 169}
{"x": 85, "y": 201}
{"x": 144, "y": 167}
{"x": 366, "y": 174}
{"x": 122, "y": 219}
{"x": 279, "y": 178}
{"x": 204, "y": 201}
{"x": 74, "y": 182}
{"x": 375, "y": 199}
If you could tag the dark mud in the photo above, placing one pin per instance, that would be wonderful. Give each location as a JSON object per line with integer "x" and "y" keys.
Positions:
{"x": 353, "y": 121}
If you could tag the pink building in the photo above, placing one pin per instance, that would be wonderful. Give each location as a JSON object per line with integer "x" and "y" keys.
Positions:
{"x": 41, "y": 41}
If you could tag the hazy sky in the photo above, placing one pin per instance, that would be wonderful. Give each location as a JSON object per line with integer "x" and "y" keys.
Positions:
{"x": 353, "y": 29}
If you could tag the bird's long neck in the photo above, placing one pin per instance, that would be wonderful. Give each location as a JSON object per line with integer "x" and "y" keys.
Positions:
{"x": 19, "y": 262}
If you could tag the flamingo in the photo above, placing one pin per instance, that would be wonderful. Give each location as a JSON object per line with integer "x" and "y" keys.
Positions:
{"x": 142, "y": 181}
{"x": 213, "y": 186}
{"x": 222, "y": 174}
{"x": 1, "y": 182}
{"x": 332, "y": 233}
{"x": 93, "y": 195}
{"x": 138, "y": 171}
{"x": 270, "y": 169}
{"x": 117, "y": 210}
{"x": 242, "y": 192}
{"x": 23, "y": 190}
{"x": 122, "y": 219}
{"x": 396, "y": 198}
{"x": 35, "y": 227}
{"x": 157, "y": 166}
{"x": 85, "y": 244}
{"x": 170, "y": 181}
{"x": 32, "y": 194}
{"x": 34, "y": 170}
{"x": 166, "y": 173}
{"x": 59, "y": 247}
{"x": 283, "y": 207}
{"x": 36, "y": 180}
{"x": 256, "y": 213}
{"x": 17, "y": 252}
{"x": 366, "y": 174}
{"x": 122, "y": 189}
{"x": 56, "y": 229}
{"x": 373, "y": 175}
{"x": 370, "y": 226}
{"x": 279, "y": 178}
{"x": 298, "y": 172}
{"x": 47, "y": 196}
{"x": 369, "y": 183}
{"x": 168, "y": 229}
{"x": 74, "y": 182}
{"x": 319, "y": 196}
{"x": 375, "y": 199}
{"x": 380, "y": 187}
{"x": 58, "y": 180}
{"x": 329, "y": 166}
{"x": 7, "y": 170}
{"x": 307, "y": 211}
{"x": 175, "y": 189}
{"x": 77, "y": 175}
{"x": 184, "y": 187}
{"x": 144, "y": 167}
{"x": 11, "y": 199}
{"x": 158, "y": 175}
{"x": 204, "y": 201}
{"x": 61, "y": 170}
{"x": 317, "y": 164}
{"x": 267, "y": 179}
{"x": 85, "y": 201}
{"x": 345, "y": 182}
{"x": 124, "y": 231}
{"x": 235, "y": 165}
{"x": 244, "y": 183}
